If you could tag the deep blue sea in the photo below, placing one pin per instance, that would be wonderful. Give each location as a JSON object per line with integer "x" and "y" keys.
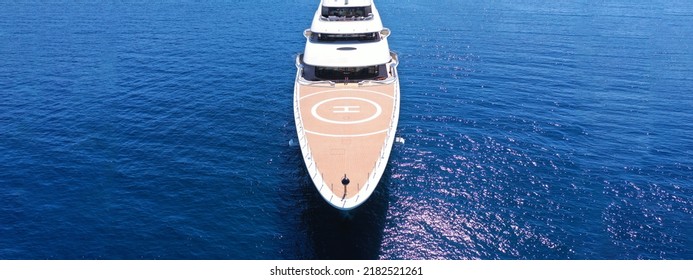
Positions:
{"x": 161, "y": 129}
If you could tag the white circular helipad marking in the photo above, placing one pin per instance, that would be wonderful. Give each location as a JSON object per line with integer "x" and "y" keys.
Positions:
{"x": 378, "y": 110}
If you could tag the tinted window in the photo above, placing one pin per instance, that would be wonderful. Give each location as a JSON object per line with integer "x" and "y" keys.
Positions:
{"x": 352, "y": 73}
{"x": 348, "y": 37}
{"x": 346, "y": 11}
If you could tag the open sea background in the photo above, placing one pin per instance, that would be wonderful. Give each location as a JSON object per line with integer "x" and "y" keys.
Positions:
{"x": 161, "y": 130}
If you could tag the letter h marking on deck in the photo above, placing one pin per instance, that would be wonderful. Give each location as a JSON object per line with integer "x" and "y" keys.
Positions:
{"x": 345, "y": 109}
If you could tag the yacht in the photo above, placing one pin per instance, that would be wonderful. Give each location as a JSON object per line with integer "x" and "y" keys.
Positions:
{"x": 346, "y": 101}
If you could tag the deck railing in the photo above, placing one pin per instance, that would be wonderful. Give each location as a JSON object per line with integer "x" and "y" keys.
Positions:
{"x": 302, "y": 81}
{"x": 390, "y": 79}
{"x": 305, "y": 148}
{"x": 389, "y": 139}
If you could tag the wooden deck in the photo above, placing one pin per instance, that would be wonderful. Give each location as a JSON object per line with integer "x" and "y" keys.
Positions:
{"x": 346, "y": 129}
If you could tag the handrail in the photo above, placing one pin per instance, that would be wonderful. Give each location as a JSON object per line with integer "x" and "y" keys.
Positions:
{"x": 308, "y": 155}
{"x": 389, "y": 140}
{"x": 388, "y": 80}
{"x": 303, "y": 139}
{"x": 305, "y": 82}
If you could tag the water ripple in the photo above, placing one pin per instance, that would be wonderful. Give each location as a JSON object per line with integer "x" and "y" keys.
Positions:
{"x": 142, "y": 130}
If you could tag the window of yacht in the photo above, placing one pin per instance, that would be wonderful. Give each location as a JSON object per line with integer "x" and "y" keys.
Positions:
{"x": 347, "y": 73}
{"x": 363, "y": 37}
{"x": 342, "y": 13}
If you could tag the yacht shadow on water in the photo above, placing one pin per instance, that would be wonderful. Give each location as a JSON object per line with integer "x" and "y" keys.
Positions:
{"x": 353, "y": 235}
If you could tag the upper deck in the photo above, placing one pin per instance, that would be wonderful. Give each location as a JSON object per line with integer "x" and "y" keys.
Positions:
{"x": 347, "y": 43}
{"x": 334, "y": 17}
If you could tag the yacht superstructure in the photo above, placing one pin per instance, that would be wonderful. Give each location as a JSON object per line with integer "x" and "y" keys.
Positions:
{"x": 346, "y": 101}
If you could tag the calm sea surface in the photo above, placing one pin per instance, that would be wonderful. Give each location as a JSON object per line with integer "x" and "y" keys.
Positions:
{"x": 161, "y": 130}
